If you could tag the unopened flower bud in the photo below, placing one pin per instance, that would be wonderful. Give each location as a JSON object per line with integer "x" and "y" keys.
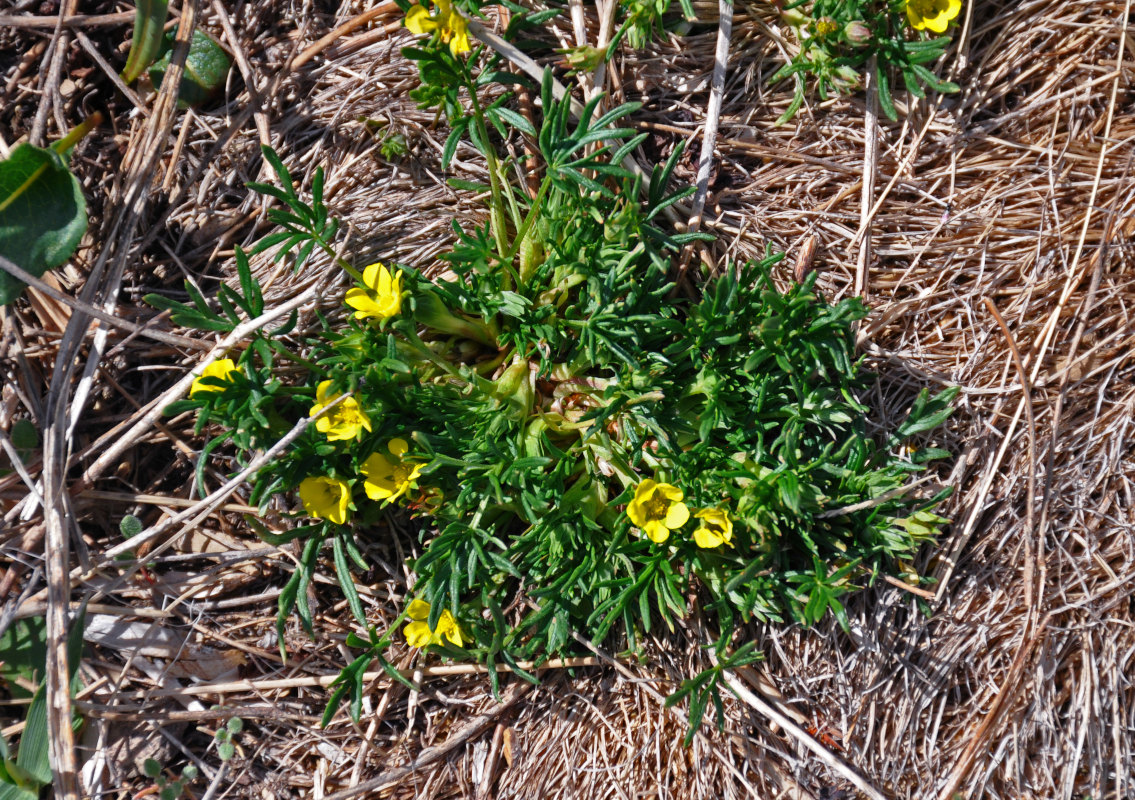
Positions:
{"x": 847, "y": 75}
{"x": 583, "y": 59}
{"x": 857, "y": 33}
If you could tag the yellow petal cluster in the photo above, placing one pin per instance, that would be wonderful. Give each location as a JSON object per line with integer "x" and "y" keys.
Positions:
{"x": 221, "y": 369}
{"x": 325, "y": 498}
{"x": 418, "y": 633}
{"x": 345, "y": 421}
{"x": 657, "y": 509}
{"x": 382, "y": 297}
{"x": 715, "y": 530}
{"x": 452, "y": 27}
{"x": 932, "y": 15}
{"x": 390, "y": 478}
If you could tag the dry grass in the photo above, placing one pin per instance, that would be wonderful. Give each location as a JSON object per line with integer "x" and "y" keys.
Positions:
{"x": 1015, "y": 196}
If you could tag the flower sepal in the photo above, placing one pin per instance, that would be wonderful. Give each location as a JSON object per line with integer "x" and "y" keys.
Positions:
{"x": 430, "y": 311}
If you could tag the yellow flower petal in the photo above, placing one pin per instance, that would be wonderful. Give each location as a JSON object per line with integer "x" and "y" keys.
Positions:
{"x": 345, "y": 421}
{"x": 707, "y": 538}
{"x": 656, "y": 531}
{"x": 325, "y": 498}
{"x": 398, "y": 447}
{"x": 934, "y": 15}
{"x": 459, "y": 43}
{"x": 381, "y": 298}
{"x": 419, "y": 21}
{"x": 657, "y": 509}
{"x": 419, "y": 609}
{"x": 389, "y": 478}
{"x": 716, "y": 528}
{"x": 220, "y": 370}
{"x": 676, "y": 516}
{"x": 418, "y": 634}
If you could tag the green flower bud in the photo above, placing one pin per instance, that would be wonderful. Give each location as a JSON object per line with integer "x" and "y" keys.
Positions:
{"x": 857, "y": 33}
{"x": 430, "y": 311}
{"x": 583, "y": 59}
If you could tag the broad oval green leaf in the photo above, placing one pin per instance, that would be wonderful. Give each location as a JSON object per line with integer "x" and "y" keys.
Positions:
{"x": 206, "y": 69}
{"x": 43, "y": 214}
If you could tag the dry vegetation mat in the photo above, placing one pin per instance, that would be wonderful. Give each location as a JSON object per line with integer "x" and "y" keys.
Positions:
{"x": 976, "y": 193}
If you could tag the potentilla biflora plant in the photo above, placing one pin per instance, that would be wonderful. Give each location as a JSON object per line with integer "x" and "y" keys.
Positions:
{"x": 590, "y": 452}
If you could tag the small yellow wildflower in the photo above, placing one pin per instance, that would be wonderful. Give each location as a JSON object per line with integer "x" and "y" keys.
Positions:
{"x": 325, "y": 498}
{"x": 389, "y": 478}
{"x": 382, "y": 297}
{"x": 221, "y": 370}
{"x": 418, "y": 633}
{"x": 657, "y": 509}
{"x": 934, "y": 15}
{"x": 345, "y": 421}
{"x": 716, "y": 528}
{"x": 825, "y": 26}
{"x": 453, "y": 27}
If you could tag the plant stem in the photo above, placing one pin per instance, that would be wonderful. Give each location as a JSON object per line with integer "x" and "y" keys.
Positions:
{"x": 526, "y": 226}
{"x": 496, "y": 211}
{"x": 77, "y": 133}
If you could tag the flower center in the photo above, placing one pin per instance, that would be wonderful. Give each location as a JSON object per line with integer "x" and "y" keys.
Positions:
{"x": 656, "y": 508}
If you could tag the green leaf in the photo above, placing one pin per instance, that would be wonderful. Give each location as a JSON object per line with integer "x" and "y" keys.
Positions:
{"x": 206, "y": 69}
{"x": 33, "y": 754}
{"x": 15, "y": 784}
{"x": 43, "y": 215}
{"x": 346, "y": 581}
{"x": 130, "y": 526}
{"x": 149, "y": 21}
{"x": 24, "y": 435}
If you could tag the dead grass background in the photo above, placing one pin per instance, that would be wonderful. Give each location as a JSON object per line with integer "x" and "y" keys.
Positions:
{"x": 1014, "y": 197}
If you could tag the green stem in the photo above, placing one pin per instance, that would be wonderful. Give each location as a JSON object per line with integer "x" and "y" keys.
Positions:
{"x": 529, "y": 221}
{"x": 77, "y": 133}
{"x": 329, "y": 250}
{"x": 422, "y": 349}
{"x": 496, "y": 211}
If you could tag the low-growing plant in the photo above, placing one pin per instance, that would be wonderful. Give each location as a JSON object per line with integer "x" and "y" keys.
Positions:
{"x": 592, "y": 452}
{"x": 163, "y": 787}
{"x": 838, "y": 39}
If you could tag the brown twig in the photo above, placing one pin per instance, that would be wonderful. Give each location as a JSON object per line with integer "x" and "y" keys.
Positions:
{"x": 433, "y": 754}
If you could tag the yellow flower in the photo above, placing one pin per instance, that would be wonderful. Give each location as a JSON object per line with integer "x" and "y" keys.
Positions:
{"x": 325, "y": 498}
{"x": 345, "y": 421}
{"x": 934, "y": 15}
{"x": 716, "y": 528}
{"x": 221, "y": 370}
{"x": 382, "y": 297}
{"x": 389, "y": 478}
{"x": 418, "y": 633}
{"x": 453, "y": 27}
{"x": 657, "y": 509}
{"x": 826, "y": 26}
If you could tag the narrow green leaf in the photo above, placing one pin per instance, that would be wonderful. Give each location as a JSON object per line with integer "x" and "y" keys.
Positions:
{"x": 149, "y": 21}
{"x": 346, "y": 581}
